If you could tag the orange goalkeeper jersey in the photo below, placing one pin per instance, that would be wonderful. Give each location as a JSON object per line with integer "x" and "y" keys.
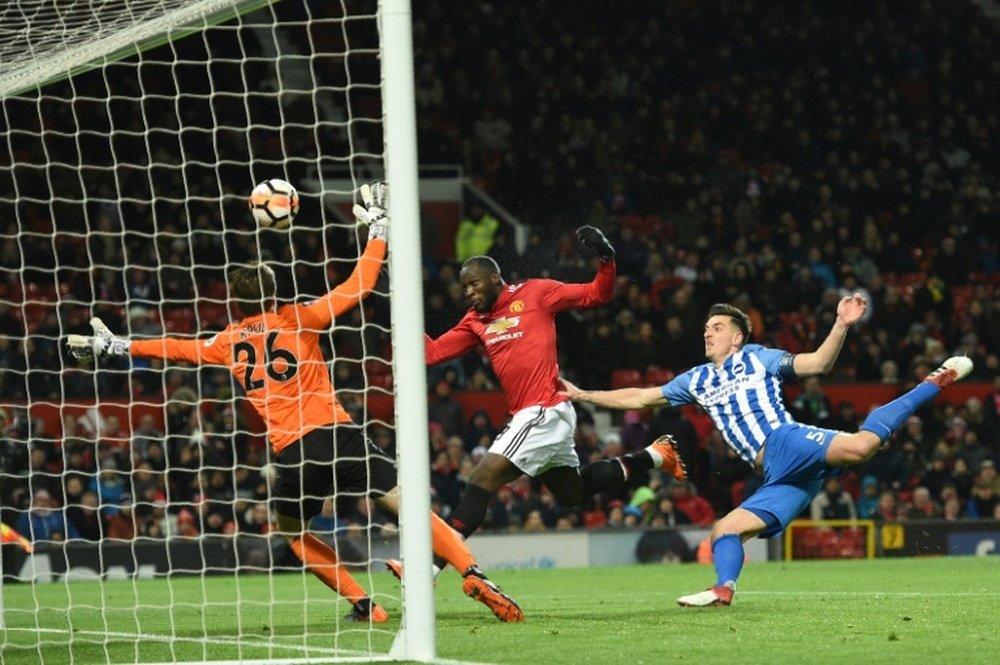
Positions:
{"x": 276, "y": 356}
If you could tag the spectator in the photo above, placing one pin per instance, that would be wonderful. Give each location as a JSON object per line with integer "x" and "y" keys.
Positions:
{"x": 982, "y": 502}
{"x": 923, "y": 506}
{"x": 888, "y": 508}
{"x": 108, "y": 486}
{"x": 480, "y": 431}
{"x": 888, "y": 468}
{"x": 616, "y": 514}
{"x": 145, "y": 434}
{"x": 44, "y": 521}
{"x": 534, "y": 522}
{"x": 446, "y": 411}
{"x": 832, "y": 502}
{"x": 697, "y": 509}
{"x": 642, "y": 505}
{"x": 257, "y": 519}
{"x": 972, "y": 451}
{"x": 186, "y": 526}
{"x": 988, "y": 476}
{"x": 962, "y": 479}
{"x": 952, "y": 509}
{"x": 85, "y": 517}
{"x": 633, "y": 436}
{"x": 889, "y": 372}
{"x": 937, "y": 475}
{"x": 991, "y": 412}
{"x": 812, "y": 407}
{"x": 667, "y": 515}
{"x": 475, "y": 234}
{"x": 845, "y": 418}
{"x": 594, "y": 517}
{"x": 868, "y": 503}
{"x": 120, "y": 524}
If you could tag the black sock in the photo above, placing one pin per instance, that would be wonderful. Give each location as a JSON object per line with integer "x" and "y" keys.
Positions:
{"x": 471, "y": 510}
{"x": 610, "y": 473}
{"x": 637, "y": 462}
{"x": 363, "y": 607}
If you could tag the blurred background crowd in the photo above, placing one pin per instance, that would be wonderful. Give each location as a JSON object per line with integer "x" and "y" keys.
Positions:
{"x": 776, "y": 156}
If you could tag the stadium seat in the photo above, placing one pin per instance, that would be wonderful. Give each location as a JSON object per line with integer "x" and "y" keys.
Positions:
{"x": 214, "y": 291}
{"x": 213, "y": 315}
{"x": 961, "y": 297}
{"x": 634, "y": 222}
{"x": 657, "y": 377}
{"x": 625, "y": 378}
{"x": 179, "y": 320}
{"x": 736, "y": 492}
{"x": 594, "y": 519}
{"x": 380, "y": 380}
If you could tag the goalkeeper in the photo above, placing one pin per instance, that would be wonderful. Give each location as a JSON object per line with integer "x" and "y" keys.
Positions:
{"x": 274, "y": 353}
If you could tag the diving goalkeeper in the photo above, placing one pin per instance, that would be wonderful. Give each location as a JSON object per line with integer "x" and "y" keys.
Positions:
{"x": 274, "y": 354}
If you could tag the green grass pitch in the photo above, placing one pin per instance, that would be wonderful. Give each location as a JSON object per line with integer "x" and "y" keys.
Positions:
{"x": 882, "y": 611}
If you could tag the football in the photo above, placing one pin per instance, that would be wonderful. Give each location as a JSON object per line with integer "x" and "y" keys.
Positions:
{"x": 274, "y": 204}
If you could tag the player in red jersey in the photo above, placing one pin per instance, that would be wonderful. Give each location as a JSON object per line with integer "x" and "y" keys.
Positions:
{"x": 274, "y": 354}
{"x": 516, "y": 325}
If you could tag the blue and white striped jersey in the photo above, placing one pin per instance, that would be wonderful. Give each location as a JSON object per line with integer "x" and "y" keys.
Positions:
{"x": 743, "y": 397}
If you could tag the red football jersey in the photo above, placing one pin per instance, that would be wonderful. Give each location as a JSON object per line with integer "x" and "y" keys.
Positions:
{"x": 519, "y": 335}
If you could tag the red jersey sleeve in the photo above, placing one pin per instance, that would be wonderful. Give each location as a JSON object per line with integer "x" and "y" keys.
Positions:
{"x": 456, "y": 342}
{"x": 559, "y": 296}
{"x": 319, "y": 314}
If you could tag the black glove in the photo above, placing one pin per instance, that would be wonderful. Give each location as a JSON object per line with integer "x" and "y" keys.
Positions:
{"x": 595, "y": 241}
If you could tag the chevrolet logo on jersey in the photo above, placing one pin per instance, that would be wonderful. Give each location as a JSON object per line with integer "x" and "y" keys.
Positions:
{"x": 502, "y": 325}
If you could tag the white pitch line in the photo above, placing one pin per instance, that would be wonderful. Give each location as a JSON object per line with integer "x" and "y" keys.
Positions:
{"x": 336, "y": 655}
{"x": 256, "y": 642}
{"x": 875, "y": 594}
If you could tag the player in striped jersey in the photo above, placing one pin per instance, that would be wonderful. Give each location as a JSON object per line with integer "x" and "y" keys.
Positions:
{"x": 740, "y": 388}
{"x": 274, "y": 354}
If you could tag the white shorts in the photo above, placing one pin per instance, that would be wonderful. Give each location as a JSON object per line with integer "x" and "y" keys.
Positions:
{"x": 539, "y": 438}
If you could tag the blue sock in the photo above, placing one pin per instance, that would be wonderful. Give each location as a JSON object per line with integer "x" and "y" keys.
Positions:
{"x": 888, "y": 418}
{"x": 728, "y": 555}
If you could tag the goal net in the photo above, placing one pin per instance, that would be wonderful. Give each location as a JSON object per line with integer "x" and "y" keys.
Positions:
{"x": 135, "y": 494}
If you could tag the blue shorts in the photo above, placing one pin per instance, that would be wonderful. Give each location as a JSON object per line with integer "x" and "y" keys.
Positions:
{"x": 794, "y": 469}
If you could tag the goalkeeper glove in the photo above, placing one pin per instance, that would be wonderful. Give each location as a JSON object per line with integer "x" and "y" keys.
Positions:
{"x": 102, "y": 343}
{"x": 374, "y": 213}
{"x": 592, "y": 238}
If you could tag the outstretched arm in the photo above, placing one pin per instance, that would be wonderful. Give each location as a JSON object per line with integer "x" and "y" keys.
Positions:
{"x": 351, "y": 291}
{"x": 454, "y": 343}
{"x": 104, "y": 343}
{"x": 623, "y": 398}
{"x": 373, "y": 214}
{"x": 601, "y": 290}
{"x": 822, "y": 360}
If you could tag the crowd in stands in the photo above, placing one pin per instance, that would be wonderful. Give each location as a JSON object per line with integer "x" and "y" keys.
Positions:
{"x": 725, "y": 172}
{"x": 721, "y": 168}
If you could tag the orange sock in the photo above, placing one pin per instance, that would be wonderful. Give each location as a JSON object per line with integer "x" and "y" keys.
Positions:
{"x": 449, "y": 545}
{"x": 322, "y": 562}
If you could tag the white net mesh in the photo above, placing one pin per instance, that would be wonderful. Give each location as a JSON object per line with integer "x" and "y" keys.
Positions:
{"x": 134, "y": 132}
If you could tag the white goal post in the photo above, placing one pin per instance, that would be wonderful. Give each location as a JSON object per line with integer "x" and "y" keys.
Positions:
{"x": 417, "y": 633}
{"x": 132, "y": 144}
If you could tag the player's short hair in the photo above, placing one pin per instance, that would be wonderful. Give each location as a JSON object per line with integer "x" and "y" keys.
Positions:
{"x": 253, "y": 287}
{"x": 738, "y": 316}
{"x": 483, "y": 264}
